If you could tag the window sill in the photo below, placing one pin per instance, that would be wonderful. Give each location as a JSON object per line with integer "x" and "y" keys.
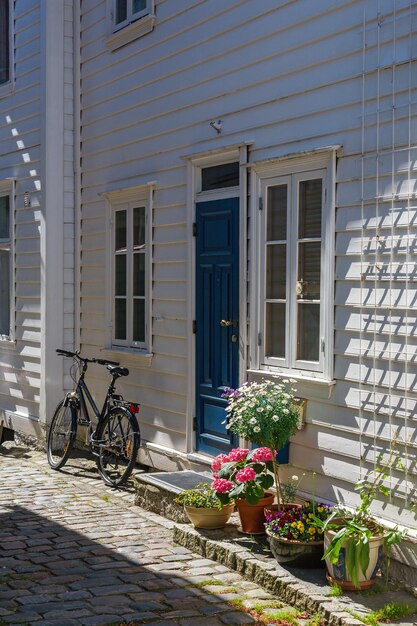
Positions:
{"x": 7, "y": 344}
{"x": 303, "y": 382}
{"x": 130, "y": 357}
{"x": 125, "y": 35}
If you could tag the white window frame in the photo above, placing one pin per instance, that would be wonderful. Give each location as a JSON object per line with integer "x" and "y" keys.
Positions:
{"x": 134, "y": 26}
{"x": 131, "y": 16}
{"x": 7, "y": 245}
{"x": 128, "y": 199}
{"x": 292, "y": 171}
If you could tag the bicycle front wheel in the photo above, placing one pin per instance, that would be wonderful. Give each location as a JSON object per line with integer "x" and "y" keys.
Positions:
{"x": 118, "y": 440}
{"x": 61, "y": 434}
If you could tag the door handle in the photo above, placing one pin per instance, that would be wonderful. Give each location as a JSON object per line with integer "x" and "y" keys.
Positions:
{"x": 226, "y": 323}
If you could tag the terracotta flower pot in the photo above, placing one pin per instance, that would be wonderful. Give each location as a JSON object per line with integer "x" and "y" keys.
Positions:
{"x": 306, "y": 554}
{"x": 209, "y": 518}
{"x": 337, "y": 573}
{"x": 252, "y": 517}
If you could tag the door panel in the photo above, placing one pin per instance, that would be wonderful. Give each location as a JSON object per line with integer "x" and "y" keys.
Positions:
{"x": 217, "y": 299}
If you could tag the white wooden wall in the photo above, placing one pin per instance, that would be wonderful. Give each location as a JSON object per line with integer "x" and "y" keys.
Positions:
{"x": 23, "y": 127}
{"x": 20, "y": 122}
{"x": 291, "y": 77}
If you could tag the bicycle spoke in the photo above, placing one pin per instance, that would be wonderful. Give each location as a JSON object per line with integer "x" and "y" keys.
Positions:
{"x": 117, "y": 454}
{"x": 61, "y": 435}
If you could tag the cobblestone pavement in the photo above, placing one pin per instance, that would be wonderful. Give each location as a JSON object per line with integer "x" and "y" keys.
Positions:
{"x": 73, "y": 551}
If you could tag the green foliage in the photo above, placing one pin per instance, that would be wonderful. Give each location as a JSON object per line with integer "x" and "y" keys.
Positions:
{"x": 267, "y": 604}
{"x": 289, "y": 489}
{"x": 209, "y": 582}
{"x": 264, "y": 413}
{"x": 316, "y": 619}
{"x": 203, "y": 497}
{"x": 285, "y": 616}
{"x": 353, "y": 531}
{"x": 390, "y": 612}
{"x": 335, "y": 591}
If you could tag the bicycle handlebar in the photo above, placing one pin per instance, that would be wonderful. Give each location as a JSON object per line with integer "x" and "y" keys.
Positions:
{"x": 77, "y": 355}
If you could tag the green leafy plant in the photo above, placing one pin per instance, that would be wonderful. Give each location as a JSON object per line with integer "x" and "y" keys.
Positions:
{"x": 353, "y": 531}
{"x": 289, "y": 489}
{"x": 335, "y": 591}
{"x": 202, "y": 497}
{"x": 265, "y": 413}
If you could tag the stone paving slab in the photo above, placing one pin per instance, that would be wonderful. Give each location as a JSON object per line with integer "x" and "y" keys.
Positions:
{"x": 73, "y": 551}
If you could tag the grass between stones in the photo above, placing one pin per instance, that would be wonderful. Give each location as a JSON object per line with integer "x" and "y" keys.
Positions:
{"x": 263, "y": 614}
{"x": 335, "y": 591}
{"x": 208, "y": 583}
{"x": 388, "y": 613}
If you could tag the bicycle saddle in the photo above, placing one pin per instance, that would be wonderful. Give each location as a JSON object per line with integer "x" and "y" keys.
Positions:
{"x": 118, "y": 371}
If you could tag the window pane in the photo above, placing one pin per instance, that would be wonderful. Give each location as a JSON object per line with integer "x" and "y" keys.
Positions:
{"x": 4, "y": 217}
{"x": 120, "y": 319}
{"x": 138, "y": 5}
{"x": 275, "y": 330}
{"x": 4, "y": 293}
{"x": 276, "y": 213}
{"x": 139, "y": 227}
{"x": 120, "y": 231}
{"x": 120, "y": 275}
{"x": 310, "y": 208}
{"x": 308, "y": 332}
{"x": 121, "y": 11}
{"x": 220, "y": 176}
{"x": 276, "y": 268}
{"x": 4, "y": 41}
{"x": 138, "y": 320}
{"x": 309, "y": 266}
{"x": 139, "y": 275}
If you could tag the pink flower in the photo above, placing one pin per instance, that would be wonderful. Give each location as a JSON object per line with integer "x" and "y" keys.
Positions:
{"x": 222, "y": 485}
{"x": 218, "y": 461}
{"x": 262, "y": 455}
{"x": 238, "y": 454}
{"x": 245, "y": 474}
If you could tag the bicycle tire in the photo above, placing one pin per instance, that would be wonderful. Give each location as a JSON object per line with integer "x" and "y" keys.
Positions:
{"x": 62, "y": 433}
{"x": 118, "y": 444}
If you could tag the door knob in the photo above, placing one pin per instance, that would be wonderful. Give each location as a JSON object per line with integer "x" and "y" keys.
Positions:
{"x": 226, "y": 323}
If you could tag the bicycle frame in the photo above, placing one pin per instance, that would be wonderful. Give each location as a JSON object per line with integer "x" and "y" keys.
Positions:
{"x": 82, "y": 393}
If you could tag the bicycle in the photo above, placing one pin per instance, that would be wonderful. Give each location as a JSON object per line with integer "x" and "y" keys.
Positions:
{"x": 114, "y": 441}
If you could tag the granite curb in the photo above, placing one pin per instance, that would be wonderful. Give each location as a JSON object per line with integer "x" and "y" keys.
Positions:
{"x": 225, "y": 547}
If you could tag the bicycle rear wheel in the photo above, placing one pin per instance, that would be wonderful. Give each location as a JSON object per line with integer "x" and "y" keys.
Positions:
{"x": 118, "y": 444}
{"x": 61, "y": 434}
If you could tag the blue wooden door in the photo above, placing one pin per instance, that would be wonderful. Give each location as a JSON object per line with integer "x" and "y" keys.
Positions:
{"x": 217, "y": 319}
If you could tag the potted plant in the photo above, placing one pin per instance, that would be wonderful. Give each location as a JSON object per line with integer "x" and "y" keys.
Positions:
{"x": 245, "y": 475}
{"x": 355, "y": 542}
{"x": 203, "y": 507}
{"x": 293, "y": 534}
{"x": 265, "y": 413}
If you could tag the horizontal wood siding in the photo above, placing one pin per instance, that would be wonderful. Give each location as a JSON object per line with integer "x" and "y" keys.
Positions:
{"x": 289, "y": 77}
{"x": 20, "y": 160}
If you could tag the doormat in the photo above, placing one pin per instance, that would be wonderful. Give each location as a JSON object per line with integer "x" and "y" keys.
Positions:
{"x": 175, "y": 481}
